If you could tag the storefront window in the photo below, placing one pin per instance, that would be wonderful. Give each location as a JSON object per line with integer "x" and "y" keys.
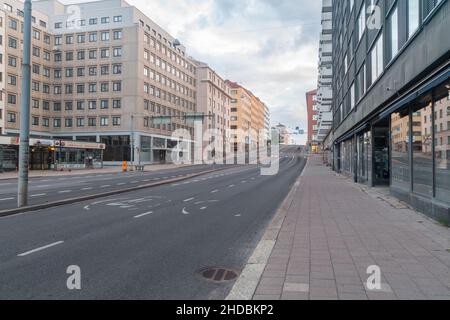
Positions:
{"x": 442, "y": 142}
{"x": 422, "y": 145}
{"x": 400, "y": 148}
{"x": 146, "y": 149}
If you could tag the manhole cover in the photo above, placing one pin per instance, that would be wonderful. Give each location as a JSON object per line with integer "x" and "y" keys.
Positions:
{"x": 216, "y": 274}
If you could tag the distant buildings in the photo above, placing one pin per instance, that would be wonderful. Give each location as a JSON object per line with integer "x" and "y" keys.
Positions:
{"x": 213, "y": 100}
{"x": 313, "y": 117}
{"x": 249, "y": 118}
{"x": 284, "y": 136}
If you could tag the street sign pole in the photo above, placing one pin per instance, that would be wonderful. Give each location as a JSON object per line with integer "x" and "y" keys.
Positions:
{"x": 24, "y": 148}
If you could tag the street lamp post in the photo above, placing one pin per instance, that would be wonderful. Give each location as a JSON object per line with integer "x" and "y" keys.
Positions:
{"x": 24, "y": 151}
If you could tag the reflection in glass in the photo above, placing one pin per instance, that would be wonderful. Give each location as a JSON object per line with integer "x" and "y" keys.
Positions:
{"x": 422, "y": 139}
{"x": 442, "y": 142}
{"x": 400, "y": 159}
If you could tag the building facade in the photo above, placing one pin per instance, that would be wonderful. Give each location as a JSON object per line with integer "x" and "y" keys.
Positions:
{"x": 324, "y": 83}
{"x": 391, "y": 98}
{"x": 100, "y": 72}
{"x": 313, "y": 116}
{"x": 248, "y": 119}
{"x": 214, "y": 101}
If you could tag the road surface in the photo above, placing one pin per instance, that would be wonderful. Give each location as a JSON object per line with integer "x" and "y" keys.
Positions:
{"x": 147, "y": 244}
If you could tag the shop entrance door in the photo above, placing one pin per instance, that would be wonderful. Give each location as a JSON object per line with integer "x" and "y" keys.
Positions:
{"x": 40, "y": 159}
{"x": 381, "y": 163}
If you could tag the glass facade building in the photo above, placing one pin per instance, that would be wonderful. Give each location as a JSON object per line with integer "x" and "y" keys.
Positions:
{"x": 391, "y": 102}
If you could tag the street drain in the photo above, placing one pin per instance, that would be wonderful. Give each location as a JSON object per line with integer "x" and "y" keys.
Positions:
{"x": 218, "y": 275}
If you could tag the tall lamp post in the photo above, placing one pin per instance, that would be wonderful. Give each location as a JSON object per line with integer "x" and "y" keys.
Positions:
{"x": 24, "y": 151}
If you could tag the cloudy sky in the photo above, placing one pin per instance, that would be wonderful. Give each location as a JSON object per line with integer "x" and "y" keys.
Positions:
{"x": 268, "y": 46}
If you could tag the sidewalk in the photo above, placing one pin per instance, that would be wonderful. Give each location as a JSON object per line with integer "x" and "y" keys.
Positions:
{"x": 334, "y": 230}
{"x": 105, "y": 170}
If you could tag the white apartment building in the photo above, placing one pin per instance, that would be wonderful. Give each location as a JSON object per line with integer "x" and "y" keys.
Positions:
{"x": 214, "y": 101}
{"x": 325, "y": 70}
{"x": 100, "y": 72}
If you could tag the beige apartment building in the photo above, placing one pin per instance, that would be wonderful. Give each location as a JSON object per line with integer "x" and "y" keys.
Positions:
{"x": 249, "y": 117}
{"x": 100, "y": 72}
{"x": 214, "y": 101}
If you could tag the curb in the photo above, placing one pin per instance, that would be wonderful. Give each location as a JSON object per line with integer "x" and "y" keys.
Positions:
{"x": 248, "y": 281}
{"x": 10, "y": 212}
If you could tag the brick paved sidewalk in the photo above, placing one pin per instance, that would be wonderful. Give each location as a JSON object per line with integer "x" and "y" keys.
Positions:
{"x": 334, "y": 230}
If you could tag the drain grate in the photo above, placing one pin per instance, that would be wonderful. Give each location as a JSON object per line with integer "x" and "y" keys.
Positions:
{"x": 216, "y": 274}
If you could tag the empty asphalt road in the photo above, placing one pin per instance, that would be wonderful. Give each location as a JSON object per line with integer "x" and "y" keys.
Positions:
{"x": 49, "y": 189}
{"x": 147, "y": 244}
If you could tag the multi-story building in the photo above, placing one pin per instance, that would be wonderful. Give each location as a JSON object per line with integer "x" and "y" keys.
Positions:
{"x": 391, "y": 98}
{"x": 213, "y": 100}
{"x": 324, "y": 93}
{"x": 100, "y": 72}
{"x": 267, "y": 132}
{"x": 247, "y": 118}
{"x": 313, "y": 116}
{"x": 283, "y": 132}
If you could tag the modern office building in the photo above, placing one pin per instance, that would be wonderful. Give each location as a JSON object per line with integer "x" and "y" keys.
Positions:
{"x": 213, "y": 100}
{"x": 100, "y": 72}
{"x": 324, "y": 93}
{"x": 391, "y": 98}
{"x": 313, "y": 117}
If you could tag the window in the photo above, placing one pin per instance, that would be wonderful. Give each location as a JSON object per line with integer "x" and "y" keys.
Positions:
{"x": 104, "y": 70}
{"x": 93, "y": 21}
{"x": 352, "y": 96}
{"x": 56, "y": 106}
{"x": 104, "y": 121}
{"x": 81, "y": 72}
{"x": 361, "y": 21}
{"x": 12, "y": 98}
{"x": 12, "y": 42}
{"x": 58, "y": 25}
{"x": 58, "y": 41}
{"x": 104, "y": 104}
{"x": 81, "y": 38}
{"x": 81, "y": 55}
{"x": 12, "y": 80}
{"x": 422, "y": 147}
{"x": 35, "y": 121}
{"x": 413, "y": 16}
{"x": 104, "y": 53}
{"x": 45, "y": 122}
{"x": 12, "y": 61}
{"x": 68, "y": 122}
{"x": 105, "y": 36}
{"x": 69, "y": 39}
{"x": 117, "y": 35}
{"x": 377, "y": 59}
{"x": 117, "y": 86}
{"x": 93, "y": 37}
{"x": 117, "y": 69}
{"x": 80, "y": 105}
{"x": 80, "y": 122}
{"x": 57, "y": 123}
{"x": 104, "y": 20}
{"x": 12, "y": 24}
{"x": 393, "y": 34}
{"x": 116, "y": 121}
{"x": 104, "y": 87}
{"x": 92, "y": 104}
{"x": 117, "y": 52}
{"x": 117, "y": 19}
{"x": 92, "y": 54}
{"x": 11, "y": 117}
{"x": 68, "y": 106}
{"x": 117, "y": 104}
{"x": 361, "y": 83}
{"x": 92, "y": 122}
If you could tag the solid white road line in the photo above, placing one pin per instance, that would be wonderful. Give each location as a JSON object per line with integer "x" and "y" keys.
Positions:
{"x": 40, "y": 248}
{"x": 6, "y": 199}
{"x": 143, "y": 215}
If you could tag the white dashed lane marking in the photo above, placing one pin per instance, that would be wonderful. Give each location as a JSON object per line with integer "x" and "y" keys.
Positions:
{"x": 40, "y": 248}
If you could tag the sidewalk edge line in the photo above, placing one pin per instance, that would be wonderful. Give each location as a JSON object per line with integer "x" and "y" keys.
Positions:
{"x": 247, "y": 283}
